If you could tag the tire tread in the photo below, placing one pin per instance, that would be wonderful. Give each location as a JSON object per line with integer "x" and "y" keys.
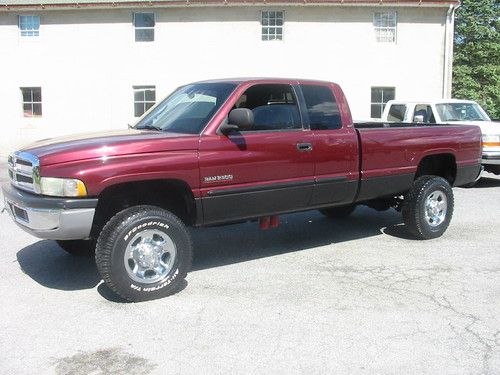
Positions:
{"x": 109, "y": 235}
{"x": 411, "y": 210}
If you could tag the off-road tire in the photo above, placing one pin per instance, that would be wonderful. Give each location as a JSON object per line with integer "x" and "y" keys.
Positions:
{"x": 78, "y": 248}
{"x": 339, "y": 212}
{"x": 414, "y": 209}
{"x": 112, "y": 244}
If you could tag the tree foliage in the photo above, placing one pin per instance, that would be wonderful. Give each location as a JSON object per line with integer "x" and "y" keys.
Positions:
{"x": 476, "y": 74}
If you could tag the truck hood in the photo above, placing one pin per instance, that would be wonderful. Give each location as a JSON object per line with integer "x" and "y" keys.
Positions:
{"x": 487, "y": 127}
{"x": 109, "y": 144}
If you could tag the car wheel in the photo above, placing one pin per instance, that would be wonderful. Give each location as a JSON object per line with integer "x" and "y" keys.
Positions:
{"x": 428, "y": 207}
{"x": 144, "y": 253}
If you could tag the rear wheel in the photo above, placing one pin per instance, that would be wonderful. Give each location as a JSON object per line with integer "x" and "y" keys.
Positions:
{"x": 144, "y": 253}
{"x": 338, "y": 212}
{"x": 79, "y": 248}
{"x": 428, "y": 207}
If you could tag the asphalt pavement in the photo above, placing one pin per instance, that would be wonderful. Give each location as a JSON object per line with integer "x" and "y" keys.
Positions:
{"x": 314, "y": 296}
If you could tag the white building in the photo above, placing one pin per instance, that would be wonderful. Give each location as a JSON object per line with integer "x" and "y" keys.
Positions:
{"x": 74, "y": 66}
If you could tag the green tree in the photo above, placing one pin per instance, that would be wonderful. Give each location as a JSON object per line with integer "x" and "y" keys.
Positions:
{"x": 476, "y": 70}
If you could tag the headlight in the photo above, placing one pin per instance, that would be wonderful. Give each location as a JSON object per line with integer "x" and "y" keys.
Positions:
{"x": 61, "y": 187}
{"x": 491, "y": 140}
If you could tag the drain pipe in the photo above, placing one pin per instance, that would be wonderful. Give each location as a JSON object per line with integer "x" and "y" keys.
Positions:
{"x": 448, "y": 50}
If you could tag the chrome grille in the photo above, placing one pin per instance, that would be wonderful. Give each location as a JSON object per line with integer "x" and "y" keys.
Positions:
{"x": 23, "y": 170}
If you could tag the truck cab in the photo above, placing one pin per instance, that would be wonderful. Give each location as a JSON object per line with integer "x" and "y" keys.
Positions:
{"x": 451, "y": 111}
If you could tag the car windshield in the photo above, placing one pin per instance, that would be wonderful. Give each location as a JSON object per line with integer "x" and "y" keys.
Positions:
{"x": 188, "y": 109}
{"x": 461, "y": 112}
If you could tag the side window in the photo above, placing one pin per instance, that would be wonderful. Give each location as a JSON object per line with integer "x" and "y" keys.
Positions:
{"x": 274, "y": 107}
{"x": 397, "y": 113}
{"x": 322, "y": 108}
{"x": 426, "y": 112}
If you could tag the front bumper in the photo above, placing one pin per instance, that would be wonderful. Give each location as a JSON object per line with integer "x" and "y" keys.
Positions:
{"x": 50, "y": 218}
{"x": 491, "y": 158}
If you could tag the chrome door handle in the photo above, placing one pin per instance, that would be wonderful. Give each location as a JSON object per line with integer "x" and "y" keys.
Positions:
{"x": 304, "y": 147}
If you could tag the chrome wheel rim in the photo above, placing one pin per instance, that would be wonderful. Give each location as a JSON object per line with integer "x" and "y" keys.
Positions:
{"x": 436, "y": 206}
{"x": 149, "y": 256}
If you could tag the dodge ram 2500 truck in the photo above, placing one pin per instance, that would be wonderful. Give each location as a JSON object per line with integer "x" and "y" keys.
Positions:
{"x": 451, "y": 111}
{"x": 225, "y": 151}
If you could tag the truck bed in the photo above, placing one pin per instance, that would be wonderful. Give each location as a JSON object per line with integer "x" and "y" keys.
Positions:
{"x": 378, "y": 125}
{"x": 391, "y": 152}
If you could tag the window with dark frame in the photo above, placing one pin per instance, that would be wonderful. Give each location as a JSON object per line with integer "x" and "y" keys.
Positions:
{"x": 380, "y": 97}
{"x": 272, "y": 25}
{"x": 29, "y": 26}
{"x": 144, "y": 24}
{"x": 32, "y": 101}
{"x": 144, "y": 98}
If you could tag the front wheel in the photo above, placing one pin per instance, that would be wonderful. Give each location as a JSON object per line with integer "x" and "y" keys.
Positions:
{"x": 428, "y": 207}
{"x": 144, "y": 253}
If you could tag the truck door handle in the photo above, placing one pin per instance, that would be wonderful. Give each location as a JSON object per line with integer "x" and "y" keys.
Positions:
{"x": 304, "y": 147}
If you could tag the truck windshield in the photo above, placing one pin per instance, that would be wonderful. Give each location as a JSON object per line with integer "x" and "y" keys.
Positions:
{"x": 188, "y": 109}
{"x": 461, "y": 112}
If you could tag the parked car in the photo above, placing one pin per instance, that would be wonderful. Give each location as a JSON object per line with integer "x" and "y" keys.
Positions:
{"x": 224, "y": 151}
{"x": 451, "y": 111}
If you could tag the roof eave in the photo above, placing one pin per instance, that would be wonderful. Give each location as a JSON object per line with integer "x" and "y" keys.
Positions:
{"x": 212, "y": 3}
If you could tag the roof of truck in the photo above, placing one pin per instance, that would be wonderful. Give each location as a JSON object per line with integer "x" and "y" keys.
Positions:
{"x": 427, "y": 101}
{"x": 239, "y": 80}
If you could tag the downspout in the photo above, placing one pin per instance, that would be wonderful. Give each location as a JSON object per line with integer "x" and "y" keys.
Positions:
{"x": 448, "y": 50}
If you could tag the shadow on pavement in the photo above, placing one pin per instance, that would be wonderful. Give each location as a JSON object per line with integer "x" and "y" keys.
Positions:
{"x": 108, "y": 294}
{"x": 487, "y": 182}
{"x": 219, "y": 246}
{"x": 47, "y": 264}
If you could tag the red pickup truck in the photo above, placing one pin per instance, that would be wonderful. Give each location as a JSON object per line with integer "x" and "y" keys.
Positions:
{"x": 225, "y": 151}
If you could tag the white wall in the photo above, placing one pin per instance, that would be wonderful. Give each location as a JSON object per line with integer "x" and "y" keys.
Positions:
{"x": 87, "y": 61}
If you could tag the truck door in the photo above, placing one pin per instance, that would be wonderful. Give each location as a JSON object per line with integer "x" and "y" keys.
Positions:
{"x": 335, "y": 147}
{"x": 266, "y": 169}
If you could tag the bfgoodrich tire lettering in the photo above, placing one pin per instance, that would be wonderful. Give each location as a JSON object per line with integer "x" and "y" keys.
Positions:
{"x": 133, "y": 231}
{"x": 428, "y": 207}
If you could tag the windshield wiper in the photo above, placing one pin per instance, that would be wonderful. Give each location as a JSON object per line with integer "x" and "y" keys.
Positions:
{"x": 149, "y": 127}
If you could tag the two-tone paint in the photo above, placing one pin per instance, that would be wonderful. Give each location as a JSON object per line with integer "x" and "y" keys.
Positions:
{"x": 270, "y": 172}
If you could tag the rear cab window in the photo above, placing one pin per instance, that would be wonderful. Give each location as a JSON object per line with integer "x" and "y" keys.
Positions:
{"x": 425, "y": 111}
{"x": 274, "y": 107}
{"x": 322, "y": 108}
{"x": 397, "y": 113}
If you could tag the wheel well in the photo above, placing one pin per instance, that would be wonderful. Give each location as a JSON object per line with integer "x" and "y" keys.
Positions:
{"x": 173, "y": 195}
{"x": 443, "y": 165}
